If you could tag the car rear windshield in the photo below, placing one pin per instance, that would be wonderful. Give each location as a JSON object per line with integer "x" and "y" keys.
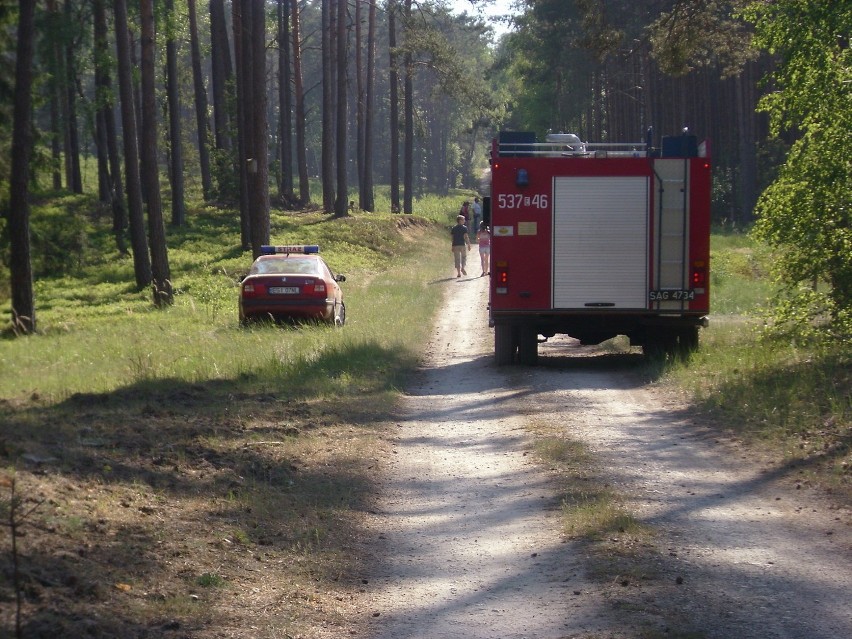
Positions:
{"x": 286, "y": 265}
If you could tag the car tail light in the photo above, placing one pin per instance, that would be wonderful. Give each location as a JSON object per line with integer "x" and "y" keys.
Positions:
{"x": 249, "y": 290}
{"x": 501, "y": 278}
{"x": 314, "y": 287}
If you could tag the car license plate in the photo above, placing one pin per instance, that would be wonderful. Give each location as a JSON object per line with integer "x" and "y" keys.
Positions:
{"x": 283, "y": 290}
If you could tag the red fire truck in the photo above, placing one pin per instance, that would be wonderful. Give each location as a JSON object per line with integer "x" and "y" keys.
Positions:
{"x": 598, "y": 240}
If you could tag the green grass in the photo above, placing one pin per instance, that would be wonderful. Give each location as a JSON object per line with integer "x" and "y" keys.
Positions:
{"x": 791, "y": 399}
{"x": 97, "y": 333}
{"x": 739, "y": 270}
{"x": 590, "y": 508}
{"x": 101, "y": 346}
{"x": 210, "y": 580}
{"x": 767, "y": 388}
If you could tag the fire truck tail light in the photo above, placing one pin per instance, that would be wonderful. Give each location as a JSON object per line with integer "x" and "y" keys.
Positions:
{"x": 699, "y": 275}
{"x": 501, "y": 280}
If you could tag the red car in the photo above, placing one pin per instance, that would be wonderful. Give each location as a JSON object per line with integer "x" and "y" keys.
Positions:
{"x": 292, "y": 283}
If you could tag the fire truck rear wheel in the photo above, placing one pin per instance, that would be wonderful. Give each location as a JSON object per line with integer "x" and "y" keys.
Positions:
{"x": 528, "y": 346}
{"x": 688, "y": 340}
{"x": 505, "y": 344}
{"x": 659, "y": 345}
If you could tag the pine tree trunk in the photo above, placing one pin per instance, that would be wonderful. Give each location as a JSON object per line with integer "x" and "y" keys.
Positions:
{"x": 221, "y": 72}
{"x": 161, "y": 282}
{"x": 299, "y": 91}
{"x": 138, "y": 239}
{"x": 408, "y": 151}
{"x": 394, "y": 107}
{"x": 106, "y": 116}
{"x": 285, "y": 101}
{"x": 119, "y": 210}
{"x": 137, "y": 106}
{"x": 360, "y": 100}
{"x": 55, "y": 132}
{"x": 747, "y": 144}
{"x": 175, "y": 142}
{"x": 200, "y": 91}
{"x": 327, "y": 157}
{"x": 341, "y": 204}
{"x": 55, "y": 65}
{"x": 368, "y": 197}
{"x": 239, "y": 17}
{"x": 259, "y": 176}
{"x": 103, "y": 104}
{"x": 101, "y": 154}
{"x": 73, "y": 176}
{"x": 20, "y": 267}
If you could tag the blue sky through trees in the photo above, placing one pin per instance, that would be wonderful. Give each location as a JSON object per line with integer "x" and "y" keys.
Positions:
{"x": 488, "y": 10}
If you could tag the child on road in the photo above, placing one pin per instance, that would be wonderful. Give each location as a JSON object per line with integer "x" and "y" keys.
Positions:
{"x": 483, "y": 237}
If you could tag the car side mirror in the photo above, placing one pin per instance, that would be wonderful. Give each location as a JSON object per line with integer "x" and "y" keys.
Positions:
{"x": 339, "y": 278}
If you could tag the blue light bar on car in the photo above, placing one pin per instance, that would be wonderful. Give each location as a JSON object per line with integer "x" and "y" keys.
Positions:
{"x": 267, "y": 249}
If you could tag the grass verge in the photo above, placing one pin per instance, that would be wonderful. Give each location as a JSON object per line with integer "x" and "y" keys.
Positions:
{"x": 790, "y": 402}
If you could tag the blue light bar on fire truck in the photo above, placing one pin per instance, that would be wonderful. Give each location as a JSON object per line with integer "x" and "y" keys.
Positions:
{"x": 267, "y": 249}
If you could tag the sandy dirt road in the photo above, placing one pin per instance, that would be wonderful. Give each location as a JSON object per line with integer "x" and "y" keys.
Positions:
{"x": 467, "y": 541}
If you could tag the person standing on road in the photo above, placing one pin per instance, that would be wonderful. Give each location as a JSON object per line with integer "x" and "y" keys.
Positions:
{"x": 464, "y": 211}
{"x": 461, "y": 245}
{"x": 483, "y": 238}
{"x": 477, "y": 214}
